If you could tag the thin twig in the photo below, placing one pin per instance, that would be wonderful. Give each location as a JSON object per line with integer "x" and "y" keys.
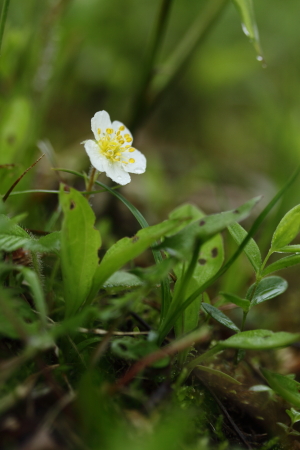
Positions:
{"x": 5, "y": 197}
{"x": 3, "y": 19}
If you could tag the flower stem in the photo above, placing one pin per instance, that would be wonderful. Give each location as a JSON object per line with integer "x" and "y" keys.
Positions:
{"x": 92, "y": 178}
{"x": 3, "y": 19}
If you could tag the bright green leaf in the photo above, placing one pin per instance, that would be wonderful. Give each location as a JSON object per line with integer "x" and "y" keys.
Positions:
{"x": 289, "y": 249}
{"x": 260, "y": 340}
{"x": 287, "y": 230}
{"x": 251, "y": 250}
{"x": 79, "y": 248}
{"x": 122, "y": 279}
{"x": 127, "y": 249}
{"x": 284, "y": 386}
{"x": 219, "y": 316}
{"x": 266, "y": 289}
{"x": 282, "y": 263}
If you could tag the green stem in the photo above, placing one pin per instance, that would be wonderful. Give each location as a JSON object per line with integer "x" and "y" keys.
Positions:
{"x": 3, "y": 19}
{"x": 179, "y": 59}
{"x": 148, "y": 67}
{"x": 212, "y": 352}
{"x": 91, "y": 182}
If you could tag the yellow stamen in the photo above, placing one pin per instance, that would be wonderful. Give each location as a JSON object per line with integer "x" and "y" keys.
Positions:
{"x": 128, "y": 139}
{"x": 132, "y": 160}
{"x": 109, "y": 130}
{"x": 98, "y": 131}
{"x": 132, "y": 149}
{"x": 122, "y": 128}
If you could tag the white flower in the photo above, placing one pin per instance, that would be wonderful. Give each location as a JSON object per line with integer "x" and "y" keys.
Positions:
{"x": 111, "y": 151}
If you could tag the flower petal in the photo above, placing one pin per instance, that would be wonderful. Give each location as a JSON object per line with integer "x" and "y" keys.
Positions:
{"x": 116, "y": 172}
{"x": 116, "y": 125}
{"x": 100, "y": 121}
{"x": 97, "y": 159}
{"x": 139, "y": 165}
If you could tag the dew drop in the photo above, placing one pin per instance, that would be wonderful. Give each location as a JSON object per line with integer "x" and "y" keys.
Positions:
{"x": 245, "y": 30}
{"x": 259, "y": 58}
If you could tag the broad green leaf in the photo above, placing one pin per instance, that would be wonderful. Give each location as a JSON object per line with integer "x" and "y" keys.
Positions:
{"x": 136, "y": 348}
{"x": 241, "y": 302}
{"x": 127, "y": 249}
{"x": 246, "y": 11}
{"x": 122, "y": 279}
{"x": 266, "y": 289}
{"x": 219, "y": 316}
{"x": 260, "y": 340}
{"x": 182, "y": 243}
{"x": 251, "y": 250}
{"x": 218, "y": 373}
{"x": 79, "y": 248}
{"x": 282, "y": 263}
{"x": 287, "y": 230}
{"x": 284, "y": 386}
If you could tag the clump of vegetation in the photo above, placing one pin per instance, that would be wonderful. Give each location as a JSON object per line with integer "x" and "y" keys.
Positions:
{"x": 116, "y": 342}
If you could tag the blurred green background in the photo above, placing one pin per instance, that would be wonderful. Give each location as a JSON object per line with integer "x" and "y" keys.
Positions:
{"x": 225, "y": 130}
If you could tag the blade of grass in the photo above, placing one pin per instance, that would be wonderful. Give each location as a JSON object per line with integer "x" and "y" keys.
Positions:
{"x": 3, "y": 20}
{"x": 174, "y": 315}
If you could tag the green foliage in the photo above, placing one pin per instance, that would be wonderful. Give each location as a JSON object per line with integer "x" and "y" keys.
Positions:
{"x": 284, "y": 386}
{"x": 80, "y": 243}
{"x": 287, "y": 229}
{"x": 219, "y": 316}
{"x": 251, "y": 249}
{"x": 266, "y": 289}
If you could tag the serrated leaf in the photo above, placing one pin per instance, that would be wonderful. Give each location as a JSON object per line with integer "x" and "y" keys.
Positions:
{"x": 251, "y": 250}
{"x": 284, "y": 386}
{"x": 246, "y": 11}
{"x": 266, "y": 289}
{"x": 79, "y": 248}
{"x": 260, "y": 340}
{"x": 238, "y": 301}
{"x": 282, "y": 263}
{"x": 122, "y": 279}
{"x": 12, "y": 236}
{"x": 219, "y": 316}
{"x": 45, "y": 244}
{"x": 287, "y": 230}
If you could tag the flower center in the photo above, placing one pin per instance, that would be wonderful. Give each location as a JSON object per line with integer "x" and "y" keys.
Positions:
{"x": 111, "y": 145}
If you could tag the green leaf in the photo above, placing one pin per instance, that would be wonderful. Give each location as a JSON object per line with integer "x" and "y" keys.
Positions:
{"x": 79, "y": 248}
{"x": 181, "y": 244}
{"x": 136, "y": 348}
{"x": 260, "y": 340}
{"x": 294, "y": 415}
{"x": 251, "y": 249}
{"x": 282, "y": 263}
{"x": 238, "y": 301}
{"x": 218, "y": 373}
{"x": 12, "y": 236}
{"x": 122, "y": 279}
{"x": 284, "y": 386}
{"x": 37, "y": 292}
{"x": 211, "y": 257}
{"x": 46, "y": 244}
{"x": 287, "y": 230}
{"x": 219, "y": 316}
{"x": 246, "y": 11}
{"x": 127, "y": 249}
{"x": 266, "y": 289}
{"x": 289, "y": 249}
